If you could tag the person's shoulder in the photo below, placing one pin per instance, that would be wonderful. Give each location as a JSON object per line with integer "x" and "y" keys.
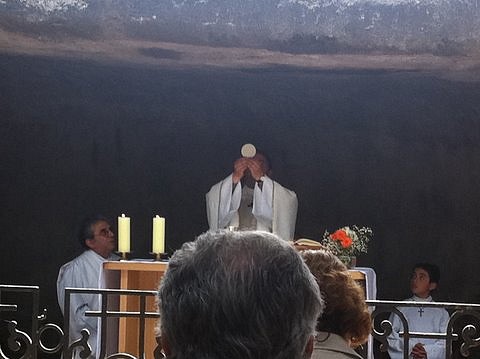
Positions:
{"x": 442, "y": 311}
{"x": 70, "y": 262}
{"x": 279, "y": 186}
{"x": 406, "y": 311}
{"x": 331, "y": 354}
{"x": 76, "y": 261}
{"x": 332, "y": 346}
{"x": 218, "y": 185}
{"x": 69, "y": 269}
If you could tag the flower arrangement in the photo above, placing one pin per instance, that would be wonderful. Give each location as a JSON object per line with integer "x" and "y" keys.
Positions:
{"x": 347, "y": 241}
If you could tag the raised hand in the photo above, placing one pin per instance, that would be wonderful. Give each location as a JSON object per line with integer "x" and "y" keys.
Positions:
{"x": 239, "y": 168}
{"x": 257, "y": 169}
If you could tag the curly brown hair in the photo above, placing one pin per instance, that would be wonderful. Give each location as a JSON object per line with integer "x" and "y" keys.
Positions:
{"x": 346, "y": 312}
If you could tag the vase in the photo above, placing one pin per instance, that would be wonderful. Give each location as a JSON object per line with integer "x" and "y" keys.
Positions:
{"x": 349, "y": 261}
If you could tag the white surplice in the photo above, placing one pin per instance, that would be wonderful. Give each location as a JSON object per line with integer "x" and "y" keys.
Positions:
{"x": 85, "y": 271}
{"x": 423, "y": 320}
{"x": 273, "y": 207}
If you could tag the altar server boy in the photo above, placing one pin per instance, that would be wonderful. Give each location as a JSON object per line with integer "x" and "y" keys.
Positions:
{"x": 424, "y": 280}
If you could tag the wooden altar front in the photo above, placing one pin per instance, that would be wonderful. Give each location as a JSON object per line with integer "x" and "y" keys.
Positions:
{"x": 141, "y": 275}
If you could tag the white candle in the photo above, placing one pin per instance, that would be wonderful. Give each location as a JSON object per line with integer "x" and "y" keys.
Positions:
{"x": 124, "y": 234}
{"x": 158, "y": 238}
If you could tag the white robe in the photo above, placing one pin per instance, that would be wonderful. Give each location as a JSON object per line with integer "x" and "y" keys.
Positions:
{"x": 85, "y": 271}
{"x": 274, "y": 207}
{"x": 431, "y": 320}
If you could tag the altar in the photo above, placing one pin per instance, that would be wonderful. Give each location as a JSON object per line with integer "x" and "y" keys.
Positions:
{"x": 367, "y": 278}
{"x": 140, "y": 275}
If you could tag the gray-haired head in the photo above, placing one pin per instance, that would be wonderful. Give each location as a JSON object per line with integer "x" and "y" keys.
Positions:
{"x": 238, "y": 295}
{"x": 86, "y": 228}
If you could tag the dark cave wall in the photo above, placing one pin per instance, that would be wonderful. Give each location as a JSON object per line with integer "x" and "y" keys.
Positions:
{"x": 396, "y": 151}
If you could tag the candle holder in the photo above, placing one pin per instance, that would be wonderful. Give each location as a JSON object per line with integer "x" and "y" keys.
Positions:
{"x": 160, "y": 257}
{"x": 123, "y": 256}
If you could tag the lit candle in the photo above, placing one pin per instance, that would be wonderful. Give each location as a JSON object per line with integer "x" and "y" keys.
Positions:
{"x": 158, "y": 238}
{"x": 124, "y": 234}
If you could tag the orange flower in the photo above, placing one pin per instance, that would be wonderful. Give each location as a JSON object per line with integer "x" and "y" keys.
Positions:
{"x": 341, "y": 236}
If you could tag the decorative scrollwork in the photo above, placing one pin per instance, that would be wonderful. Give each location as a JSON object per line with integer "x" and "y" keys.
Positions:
{"x": 468, "y": 332}
{"x": 15, "y": 340}
{"x": 55, "y": 328}
{"x": 42, "y": 316}
{"x": 121, "y": 356}
{"x": 382, "y": 338}
{"x": 468, "y": 335}
{"x": 386, "y": 326}
{"x": 81, "y": 344}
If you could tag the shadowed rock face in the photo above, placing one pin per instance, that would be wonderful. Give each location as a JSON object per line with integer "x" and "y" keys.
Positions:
{"x": 115, "y": 105}
{"x": 439, "y": 27}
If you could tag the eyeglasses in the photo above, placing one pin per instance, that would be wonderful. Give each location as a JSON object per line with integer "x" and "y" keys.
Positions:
{"x": 104, "y": 232}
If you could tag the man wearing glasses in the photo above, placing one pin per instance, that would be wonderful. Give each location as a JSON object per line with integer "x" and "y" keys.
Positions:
{"x": 98, "y": 242}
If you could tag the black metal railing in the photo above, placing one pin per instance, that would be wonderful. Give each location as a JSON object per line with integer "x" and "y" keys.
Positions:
{"x": 20, "y": 344}
{"x": 462, "y": 327}
{"x": 105, "y": 312}
{"x": 18, "y": 341}
{"x": 462, "y": 331}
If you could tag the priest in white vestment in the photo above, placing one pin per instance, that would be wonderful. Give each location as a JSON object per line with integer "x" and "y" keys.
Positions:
{"x": 248, "y": 199}
{"x": 85, "y": 271}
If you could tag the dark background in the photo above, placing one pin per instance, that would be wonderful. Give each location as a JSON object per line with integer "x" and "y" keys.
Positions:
{"x": 370, "y": 113}
{"x": 394, "y": 150}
